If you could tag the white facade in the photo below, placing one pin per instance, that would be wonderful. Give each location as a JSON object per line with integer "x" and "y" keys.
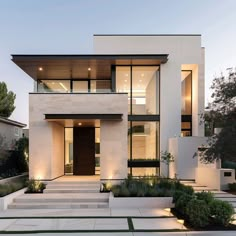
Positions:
{"x": 185, "y": 53}
{"x": 47, "y": 137}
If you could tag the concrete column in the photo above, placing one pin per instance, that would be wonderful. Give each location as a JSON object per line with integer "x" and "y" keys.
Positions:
{"x": 113, "y": 141}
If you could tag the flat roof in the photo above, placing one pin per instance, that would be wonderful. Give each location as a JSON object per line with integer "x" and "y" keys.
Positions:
{"x": 65, "y": 66}
{"x": 147, "y": 35}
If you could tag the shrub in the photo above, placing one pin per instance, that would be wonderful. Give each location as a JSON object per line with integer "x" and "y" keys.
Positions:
{"x": 124, "y": 191}
{"x": 222, "y": 212}
{"x": 198, "y": 213}
{"x": 205, "y": 196}
{"x": 35, "y": 186}
{"x": 115, "y": 190}
{"x": 182, "y": 201}
{"x": 166, "y": 183}
{"x": 232, "y": 186}
{"x": 9, "y": 188}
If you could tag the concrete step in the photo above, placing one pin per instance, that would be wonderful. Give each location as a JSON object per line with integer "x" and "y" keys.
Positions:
{"x": 77, "y": 190}
{"x": 227, "y": 199}
{"x": 66, "y": 186}
{"x": 73, "y": 183}
{"x": 203, "y": 188}
{"x": 56, "y": 205}
{"x": 60, "y": 198}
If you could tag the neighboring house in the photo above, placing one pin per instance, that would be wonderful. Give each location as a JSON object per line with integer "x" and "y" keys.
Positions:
{"x": 10, "y": 132}
{"x": 136, "y": 96}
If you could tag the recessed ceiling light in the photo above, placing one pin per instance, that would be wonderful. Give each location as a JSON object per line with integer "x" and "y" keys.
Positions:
{"x": 140, "y": 80}
{"x": 79, "y": 124}
{"x": 40, "y": 68}
{"x": 89, "y": 69}
{"x": 126, "y": 75}
{"x": 142, "y": 75}
{"x": 125, "y": 80}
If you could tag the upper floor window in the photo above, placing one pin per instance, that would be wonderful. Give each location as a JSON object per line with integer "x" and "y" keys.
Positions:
{"x": 186, "y": 90}
{"x": 142, "y": 85}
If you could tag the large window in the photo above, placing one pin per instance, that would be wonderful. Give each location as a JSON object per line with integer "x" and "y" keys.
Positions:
{"x": 144, "y": 140}
{"x": 74, "y": 86}
{"x": 142, "y": 85}
{"x": 186, "y": 84}
{"x": 186, "y": 102}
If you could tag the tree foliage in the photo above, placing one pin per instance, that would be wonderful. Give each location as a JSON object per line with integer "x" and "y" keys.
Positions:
{"x": 7, "y": 99}
{"x": 222, "y": 113}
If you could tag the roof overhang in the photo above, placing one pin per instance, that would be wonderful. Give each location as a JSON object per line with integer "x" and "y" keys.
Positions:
{"x": 76, "y": 66}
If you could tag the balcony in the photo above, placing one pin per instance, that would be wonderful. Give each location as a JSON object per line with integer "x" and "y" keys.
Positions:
{"x": 74, "y": 86}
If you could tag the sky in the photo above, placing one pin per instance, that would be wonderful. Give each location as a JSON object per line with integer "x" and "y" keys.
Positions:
{"x": 67, "y": 27}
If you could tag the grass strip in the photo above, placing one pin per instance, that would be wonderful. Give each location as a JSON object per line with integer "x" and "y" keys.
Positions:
{"x": 130, "y": 224}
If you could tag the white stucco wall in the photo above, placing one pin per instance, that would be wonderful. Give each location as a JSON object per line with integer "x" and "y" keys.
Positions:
{"x": 182, "y": 50}
{"x": 184, "y": 150}
{"x": 46, "y": 148}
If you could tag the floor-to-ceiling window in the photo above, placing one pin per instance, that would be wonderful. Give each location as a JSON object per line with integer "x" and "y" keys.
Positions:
{"x": 186, "y": 102}
{"x": 68, "y": 150}
{"x": 142, "y": 85}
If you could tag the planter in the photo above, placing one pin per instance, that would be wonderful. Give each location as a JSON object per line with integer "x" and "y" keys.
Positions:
{"x": 140, "y": 202}
{"x": 6, "y": 200}
{"x": 143, "y": 163}
{"x": 14, "y": 178}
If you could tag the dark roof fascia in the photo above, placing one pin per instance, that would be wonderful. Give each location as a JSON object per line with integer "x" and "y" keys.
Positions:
{"x": 146, "y": 35}
{"x": 163, "y": 57}
{"x": 83, "y": 116}
{"x": 12, "y": 122}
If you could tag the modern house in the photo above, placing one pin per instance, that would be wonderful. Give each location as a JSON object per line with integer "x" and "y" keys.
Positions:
{"x": 10, "y": 132}
{"x": 118, "y": 108}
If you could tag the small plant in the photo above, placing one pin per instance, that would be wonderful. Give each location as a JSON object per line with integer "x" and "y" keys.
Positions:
{"x": 198, "y": 213}
{"x": 222, "y": 212}
{"x": 167, "y": 158}
{"x": 35, "y": 186}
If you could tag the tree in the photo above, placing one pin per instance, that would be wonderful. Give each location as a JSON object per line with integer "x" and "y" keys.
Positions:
{"x": 222, "y": 111}
{"x": 7, "y": 99}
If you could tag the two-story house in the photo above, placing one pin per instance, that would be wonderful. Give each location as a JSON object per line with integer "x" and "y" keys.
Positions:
{"x": 116, "y": 109}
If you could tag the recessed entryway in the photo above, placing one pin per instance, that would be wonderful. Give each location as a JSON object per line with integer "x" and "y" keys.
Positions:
{"x": 82, "y": 150}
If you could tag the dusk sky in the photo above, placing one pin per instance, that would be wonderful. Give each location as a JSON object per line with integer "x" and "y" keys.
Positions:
{"x": 67, "y": 27}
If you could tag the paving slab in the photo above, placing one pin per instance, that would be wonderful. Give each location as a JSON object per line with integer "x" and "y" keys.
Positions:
{"x": 32, "y": 224}
{"x": 111, "y": 224}
{"x": 154, "y": 212}
{"x": 125, "y": 212}
{"x": 75, "y": 224}
{"x": 156, "y": 224}
{"x": 4, "y": 223}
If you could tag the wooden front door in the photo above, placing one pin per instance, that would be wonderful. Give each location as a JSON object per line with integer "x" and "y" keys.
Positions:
{"x": 84, "y": 151}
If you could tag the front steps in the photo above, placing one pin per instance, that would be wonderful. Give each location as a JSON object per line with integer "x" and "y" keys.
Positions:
{"x": 64, "y": 195}
{"x": 197, "y": 187}
{"x": 73, "y": 187}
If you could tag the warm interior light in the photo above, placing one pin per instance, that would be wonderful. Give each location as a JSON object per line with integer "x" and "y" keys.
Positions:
{"x": 40, "y": 68}
{"x": 89, "y": 69}
{"x": 125, "y": 80}
{"x": 79, "y": 124}
{"x": 142, "y": 75}
{"x": 63, "y": 86}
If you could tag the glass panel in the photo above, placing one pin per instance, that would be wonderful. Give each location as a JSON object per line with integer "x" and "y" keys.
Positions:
{"x": 100, "y": 86}
{"x": 68, "y": 150}
{"x": 185, "y": 133}
{"x": 50, "y": 86}
{"x": 80, "y": 86}
{"x": 123, "y": 81}
{"x": 145, "y": 140}
{"x": 144, "y": 171}
{"x": 145, "y": 90}
{"x": 186, "y": 77}
{"x": 97, "y": 147}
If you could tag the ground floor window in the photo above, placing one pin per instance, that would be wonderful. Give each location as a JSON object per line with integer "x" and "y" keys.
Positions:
{"x": 143, "y": 148}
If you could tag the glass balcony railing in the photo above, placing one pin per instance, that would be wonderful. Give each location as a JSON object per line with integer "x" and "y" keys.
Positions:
{"x": 74, "y": 86}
